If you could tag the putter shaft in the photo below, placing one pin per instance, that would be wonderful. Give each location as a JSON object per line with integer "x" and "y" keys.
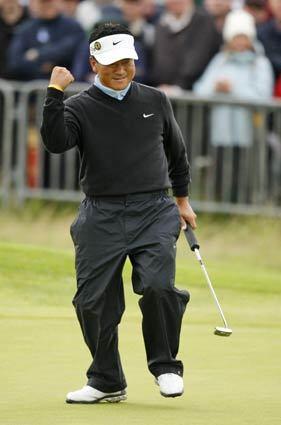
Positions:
{"x": 194, "y": 246}
{"x": 197, "y": 253}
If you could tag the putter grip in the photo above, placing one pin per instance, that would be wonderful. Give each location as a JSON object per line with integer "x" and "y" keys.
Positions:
{"x": 190, "y": 237}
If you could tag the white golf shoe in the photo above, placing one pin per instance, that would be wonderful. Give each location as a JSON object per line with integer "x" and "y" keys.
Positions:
{"x": 170, "y": 384}
{"x": 89, "y": 395}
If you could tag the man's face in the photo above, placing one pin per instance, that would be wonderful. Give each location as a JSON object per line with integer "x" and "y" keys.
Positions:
{"x": 46, "y": 9}
{"x": 117, "y": 75}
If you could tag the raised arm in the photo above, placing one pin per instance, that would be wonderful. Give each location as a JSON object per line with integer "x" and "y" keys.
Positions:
{"x": 60, "y": 127}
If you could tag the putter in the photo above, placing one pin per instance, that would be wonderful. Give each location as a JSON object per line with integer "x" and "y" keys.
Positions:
{"x": 194, "y": 246}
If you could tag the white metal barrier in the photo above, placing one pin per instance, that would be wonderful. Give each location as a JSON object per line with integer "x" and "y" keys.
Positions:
{"x": 215, "y": 170}
{"x": 6, "y": 139}
{"x": 216, "y": 184}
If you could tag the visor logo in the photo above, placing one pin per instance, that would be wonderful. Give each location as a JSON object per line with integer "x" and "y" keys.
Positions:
{"x": 97, "y": 45}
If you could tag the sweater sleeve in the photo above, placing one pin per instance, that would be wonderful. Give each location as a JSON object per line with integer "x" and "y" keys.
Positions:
{"x": 60, "y": 128}
{"x": 179, "y": 169}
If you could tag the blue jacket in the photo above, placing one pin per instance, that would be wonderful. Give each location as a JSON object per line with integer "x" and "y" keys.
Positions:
{"x": 55, "y": 40}
{"x": 251, "y": 77}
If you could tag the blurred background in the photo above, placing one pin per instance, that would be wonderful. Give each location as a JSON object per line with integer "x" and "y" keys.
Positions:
{"x": 219, "y": 61}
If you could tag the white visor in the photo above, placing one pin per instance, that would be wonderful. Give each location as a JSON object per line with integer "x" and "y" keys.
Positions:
{"x": 112, "y": 48}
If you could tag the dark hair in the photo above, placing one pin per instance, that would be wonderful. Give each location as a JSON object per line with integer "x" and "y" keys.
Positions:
{"x": 108, "y": 28}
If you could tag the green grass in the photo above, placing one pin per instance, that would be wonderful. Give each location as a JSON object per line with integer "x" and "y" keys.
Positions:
{"x": 228, "y": 381}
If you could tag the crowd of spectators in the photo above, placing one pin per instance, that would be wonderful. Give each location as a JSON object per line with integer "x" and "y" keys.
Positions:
{"x": 178, "y": 41}
{"x": 211, "y": 47}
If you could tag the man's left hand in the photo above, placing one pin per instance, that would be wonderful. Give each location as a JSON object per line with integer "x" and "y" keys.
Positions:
{"x": 186, "y": 212}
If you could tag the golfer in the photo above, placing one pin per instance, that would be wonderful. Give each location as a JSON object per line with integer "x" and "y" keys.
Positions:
{"x": 131, "y": 152}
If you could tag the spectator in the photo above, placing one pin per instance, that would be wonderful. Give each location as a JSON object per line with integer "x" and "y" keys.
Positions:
{"x": 69, "y": 7}
{"x": 110, "y": 10}
{"x": 11, "y": 15}
{"x": 185, "y": 41}
{"x": 87, "y": 14}
{"x": 143, "y": 32}
{"x": 218, "y": 9}
{"x": 270, "y": 35}
{"x": 241, "y": 71}
{"x": 152, "y": 11}
{"x": 258, "y": 9}
{"x": 42, "y": 42}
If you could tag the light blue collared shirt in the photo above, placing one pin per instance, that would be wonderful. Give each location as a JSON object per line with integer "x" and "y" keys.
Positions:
{"x": 117, "y": 94}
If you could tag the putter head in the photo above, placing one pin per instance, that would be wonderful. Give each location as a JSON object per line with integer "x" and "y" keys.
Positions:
{"x": 222, "y": 331}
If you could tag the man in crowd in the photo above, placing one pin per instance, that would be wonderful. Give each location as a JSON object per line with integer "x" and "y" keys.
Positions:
{"x": 12, "y": 14}
{"x": 185, "y": 41}
{"x": 44, "y": 41}
{"x": 131, "y": 152}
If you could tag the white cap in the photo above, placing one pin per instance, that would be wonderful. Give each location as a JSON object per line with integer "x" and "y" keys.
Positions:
{"x": 112, "y": 48}
{"x": 239, "y": 22}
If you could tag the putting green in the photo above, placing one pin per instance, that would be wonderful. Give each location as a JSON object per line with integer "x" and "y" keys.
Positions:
{"x": 229, "y": 381}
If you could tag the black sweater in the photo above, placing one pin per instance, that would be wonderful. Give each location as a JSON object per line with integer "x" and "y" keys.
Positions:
{"x": 128, "y": 146}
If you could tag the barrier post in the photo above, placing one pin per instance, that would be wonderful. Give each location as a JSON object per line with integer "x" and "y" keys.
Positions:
{"x": 8, "y": 114}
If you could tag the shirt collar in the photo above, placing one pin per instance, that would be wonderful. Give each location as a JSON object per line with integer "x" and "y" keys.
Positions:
{"x": 117, "y": 94}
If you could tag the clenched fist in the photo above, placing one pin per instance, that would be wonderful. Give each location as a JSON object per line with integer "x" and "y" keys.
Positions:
{"x": 61, "y": 77}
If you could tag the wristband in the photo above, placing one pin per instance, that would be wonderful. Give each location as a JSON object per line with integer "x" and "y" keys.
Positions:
{"x": 55, "y": 86}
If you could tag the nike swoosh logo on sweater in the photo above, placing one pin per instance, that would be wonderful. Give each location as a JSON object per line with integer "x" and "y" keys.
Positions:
{"x": 147, "y": 115}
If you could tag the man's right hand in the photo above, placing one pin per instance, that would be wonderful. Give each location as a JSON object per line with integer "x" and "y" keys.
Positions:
{"x": 61, "y": 77}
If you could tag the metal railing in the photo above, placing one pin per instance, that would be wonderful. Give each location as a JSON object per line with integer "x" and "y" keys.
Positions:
{"x": 29, "y": 171}
{"x": 56, "y": 175}
{"x": 6, "y": 138}
{"x": 257, "y": 180}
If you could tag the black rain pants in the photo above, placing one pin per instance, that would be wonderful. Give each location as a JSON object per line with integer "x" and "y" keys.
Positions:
{"x": 144, "y": 227}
